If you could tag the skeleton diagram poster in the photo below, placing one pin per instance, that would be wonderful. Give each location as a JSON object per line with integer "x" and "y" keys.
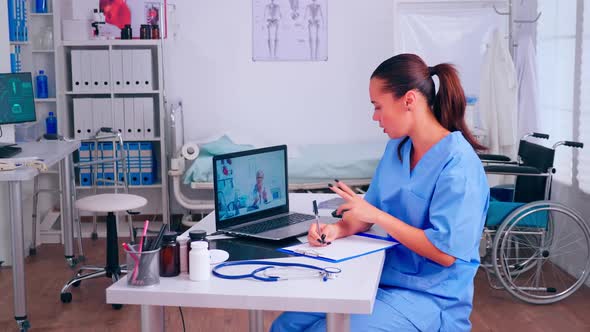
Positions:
{"x": 289, "y": 30}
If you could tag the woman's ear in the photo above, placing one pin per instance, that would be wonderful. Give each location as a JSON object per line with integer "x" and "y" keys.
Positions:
{"x": 410, "y": 98}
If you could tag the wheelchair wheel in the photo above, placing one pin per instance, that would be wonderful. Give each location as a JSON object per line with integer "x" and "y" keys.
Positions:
{"x": 541, "y": 252}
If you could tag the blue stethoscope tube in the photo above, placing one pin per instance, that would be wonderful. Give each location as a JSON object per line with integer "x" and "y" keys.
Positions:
{"x": 326, "y": 273}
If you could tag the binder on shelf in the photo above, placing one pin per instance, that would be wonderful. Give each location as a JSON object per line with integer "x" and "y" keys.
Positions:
{"x": 99, "y": 71}
{"x": 148, "y": 118}
{"x": 134, "y": 164}
{"x": 86, "y": 71}
{"x": 142, "y": 70}
{"x": 128, "y": 80}
{"x": 120, "y": 170}
{"x": 129, "y": 133}
{"x": 101, "y": 114}
{"x": 85, "y": 171}
{"x": 108, "y": 168}
{"x": 82, "y": 118}
{"x": 138, "y": 117}
{"x": 96, "y": 170}
{"x": 76, "y": 68}
{"x": 119, "y": 116}
{"x": 146, "y": 155}
{"x": 117, "y": 68}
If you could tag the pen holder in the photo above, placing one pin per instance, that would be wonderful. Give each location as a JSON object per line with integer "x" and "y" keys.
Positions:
{"x": 143, "y": 269}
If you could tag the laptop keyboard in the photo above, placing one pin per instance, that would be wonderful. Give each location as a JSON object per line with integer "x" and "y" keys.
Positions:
{"x": 279, "y": 222}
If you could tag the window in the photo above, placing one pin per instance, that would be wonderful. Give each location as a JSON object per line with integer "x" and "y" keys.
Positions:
{"x": 558, "y": 34}
{"x": 583, "y": 156}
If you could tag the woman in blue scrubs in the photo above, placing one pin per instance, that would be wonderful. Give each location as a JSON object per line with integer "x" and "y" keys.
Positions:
{"x": 429, "y": 192}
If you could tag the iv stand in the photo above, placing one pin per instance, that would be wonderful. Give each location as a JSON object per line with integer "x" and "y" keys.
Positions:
{"x": 511, "y": 41}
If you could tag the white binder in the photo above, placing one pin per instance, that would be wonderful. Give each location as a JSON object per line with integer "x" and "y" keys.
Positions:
{"x": 148, "y": 68}
{"x": 138, "y": 117}
{"x": 119, "y": 116}
{"x": 129, "y": 132}
{"x": 82, "y": 118}
{"x": 137, "y": 68}
{"x": 101, "y": 114}
{"x": 142, "y": 70}
{"x": 148, "y": 118}
{"x": 128, "y": 80}
{"x": 75, "y": 58}
{"x": 96, "y": 115}
{"x": 107, "y": 113}
{"x": 117, "y": 67}
{"x": 86, "y": 70}
{"x": 100, "y": 70}
{"x": 80, "y": 105}
{"x": 95, "y": 70}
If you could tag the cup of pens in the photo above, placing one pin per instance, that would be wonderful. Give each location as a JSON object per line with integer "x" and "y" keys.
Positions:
{"x": 143, "y": 267}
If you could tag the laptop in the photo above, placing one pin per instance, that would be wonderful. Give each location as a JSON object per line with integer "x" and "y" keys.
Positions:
{"x": 251, "y": 195}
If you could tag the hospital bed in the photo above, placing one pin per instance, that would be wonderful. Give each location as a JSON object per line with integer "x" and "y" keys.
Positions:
{"x": 538, "y": 249}
{"x": 310, "y": 167}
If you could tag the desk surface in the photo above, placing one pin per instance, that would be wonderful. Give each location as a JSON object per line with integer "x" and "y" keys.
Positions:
{"x": 352, "y": 292}
{"x": 50, "y": 152}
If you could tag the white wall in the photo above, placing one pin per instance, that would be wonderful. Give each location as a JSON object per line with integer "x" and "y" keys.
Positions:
{"x": 210, "y": 67}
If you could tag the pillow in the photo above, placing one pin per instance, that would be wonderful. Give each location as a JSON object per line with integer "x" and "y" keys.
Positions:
{"x": 223, "y": 145}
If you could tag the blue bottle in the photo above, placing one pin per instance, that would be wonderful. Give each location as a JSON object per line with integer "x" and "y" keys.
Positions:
{"x": 41, "y": 6}
{"x": 42, "y": 91}
{"x": 51, "y": 124}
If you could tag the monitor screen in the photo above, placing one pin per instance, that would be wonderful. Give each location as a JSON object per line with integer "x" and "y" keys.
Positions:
{"x": 17, "y": 101}
{"x": 251, "y": 183}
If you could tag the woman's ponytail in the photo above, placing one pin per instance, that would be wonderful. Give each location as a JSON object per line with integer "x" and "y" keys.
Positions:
{"x": 449, "y": 103}
{"x": 405, "y": 72}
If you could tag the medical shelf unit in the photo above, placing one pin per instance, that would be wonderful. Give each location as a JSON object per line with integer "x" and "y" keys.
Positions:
{"x": 118, "y": 84}
{"x": 37, "y": 52}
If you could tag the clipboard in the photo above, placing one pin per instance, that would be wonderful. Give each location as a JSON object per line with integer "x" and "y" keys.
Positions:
{"x": 342, "y": 249}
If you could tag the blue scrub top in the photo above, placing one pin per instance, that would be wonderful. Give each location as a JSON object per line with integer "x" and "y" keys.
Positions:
{"x": 446, "y": 195}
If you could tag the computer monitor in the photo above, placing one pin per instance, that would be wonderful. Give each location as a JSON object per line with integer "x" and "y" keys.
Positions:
{"x": 17, "y": 105}
{"x": 17, "y": 100}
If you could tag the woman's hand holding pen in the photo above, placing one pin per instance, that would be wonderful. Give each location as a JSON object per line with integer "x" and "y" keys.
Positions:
{"x": 356, "y": 207}
{"x": 330, "y": 232}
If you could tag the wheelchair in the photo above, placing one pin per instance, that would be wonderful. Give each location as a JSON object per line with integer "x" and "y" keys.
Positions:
{"x": 538, "y": 249}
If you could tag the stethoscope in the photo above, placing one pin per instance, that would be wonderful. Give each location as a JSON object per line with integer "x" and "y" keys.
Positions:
{"x": 262, "y": 273}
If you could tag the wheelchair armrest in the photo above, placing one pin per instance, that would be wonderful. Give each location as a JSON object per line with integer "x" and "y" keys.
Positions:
{"x": 496, "y": 162}
{"x": 511, "y": 170}
{"x": 493, "y": 157}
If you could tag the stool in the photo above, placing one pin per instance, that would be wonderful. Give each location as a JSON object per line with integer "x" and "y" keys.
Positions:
{"x": 105, "y": 203}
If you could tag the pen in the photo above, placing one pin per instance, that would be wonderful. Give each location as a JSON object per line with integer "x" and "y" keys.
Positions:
{"x": 310, "y": 253}
{"x": 317, "y": 221}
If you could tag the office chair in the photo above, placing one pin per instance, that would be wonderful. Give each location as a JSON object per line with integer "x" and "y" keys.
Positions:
{"x": 105, "y": 203}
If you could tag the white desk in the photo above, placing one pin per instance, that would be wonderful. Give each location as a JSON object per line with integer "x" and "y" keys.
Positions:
{"x": 353, "y": 292}
{"x": 51, "y": 152}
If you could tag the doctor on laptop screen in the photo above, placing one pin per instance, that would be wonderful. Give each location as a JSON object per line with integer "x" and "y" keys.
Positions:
{"x": 250, "y": 183}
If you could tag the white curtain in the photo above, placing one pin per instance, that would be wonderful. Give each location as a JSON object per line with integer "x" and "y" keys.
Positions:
{"x": 563, "y": 69}
{"x": 583, "y": 157}
{"x": 528, "y": 88}
{"x": 448, "y": 32}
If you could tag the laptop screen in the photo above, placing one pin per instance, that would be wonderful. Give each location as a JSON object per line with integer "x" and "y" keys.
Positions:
{"x": 250, "y": 183}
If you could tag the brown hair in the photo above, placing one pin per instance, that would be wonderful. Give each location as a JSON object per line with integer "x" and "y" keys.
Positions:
{"x": 405, "y": 72}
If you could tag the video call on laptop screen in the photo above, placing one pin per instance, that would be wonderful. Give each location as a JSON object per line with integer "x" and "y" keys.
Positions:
{"x": 250, "y": 184}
